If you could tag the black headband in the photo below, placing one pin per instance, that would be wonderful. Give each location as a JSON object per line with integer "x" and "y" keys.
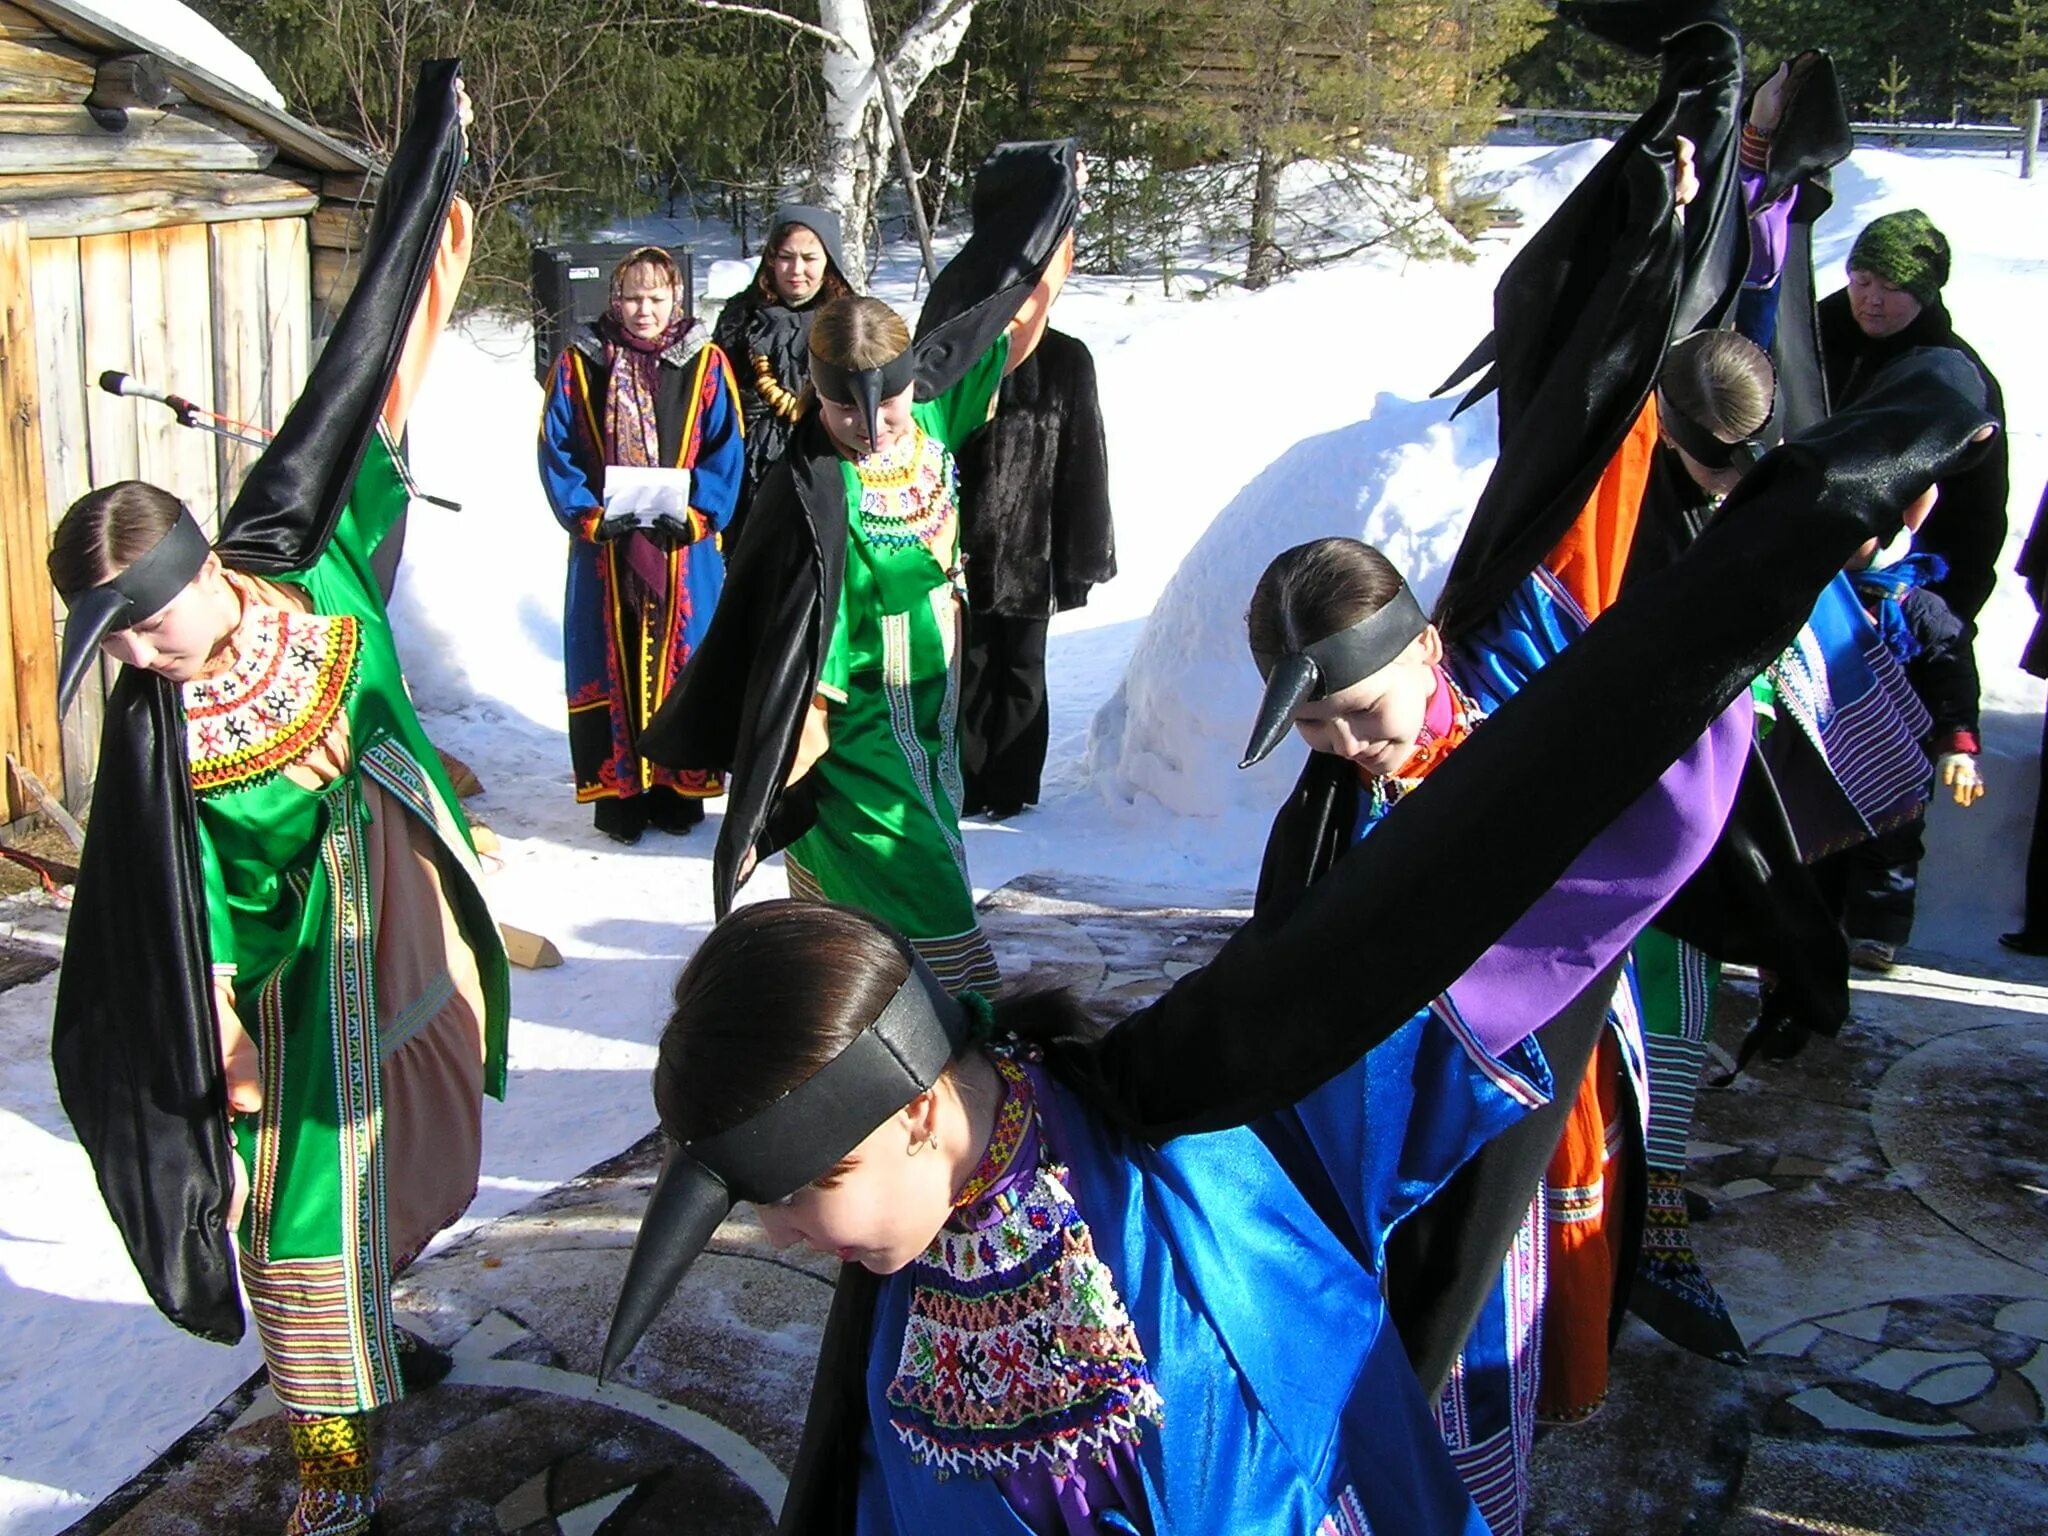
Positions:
{"x": 1329, "y": 666}
{"x": 865, "y": 388}
{"x": 779, "y": 1149}
{"x": 1740, "y": 456}
{"x": 147, "y": 585}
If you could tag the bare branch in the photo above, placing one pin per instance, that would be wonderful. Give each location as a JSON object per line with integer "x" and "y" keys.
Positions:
{"x": 761, "y": 12}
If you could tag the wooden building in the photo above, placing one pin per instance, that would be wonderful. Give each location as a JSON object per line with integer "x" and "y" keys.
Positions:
{"x": 200, "y": 245}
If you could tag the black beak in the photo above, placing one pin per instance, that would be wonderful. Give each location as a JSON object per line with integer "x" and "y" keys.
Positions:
{"x": 94, "y": 616}
{"x": 1291, "y": 684}
{"x": 688, "y": 1203}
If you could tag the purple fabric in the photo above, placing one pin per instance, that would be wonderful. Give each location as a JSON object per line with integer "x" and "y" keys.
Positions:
{"x": 1612, "y": 890}
{"x": 1769, "y": 229}
{"x": 1080, "y": 1503}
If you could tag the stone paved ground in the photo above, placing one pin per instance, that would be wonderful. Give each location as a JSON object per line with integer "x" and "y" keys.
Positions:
{"x": 1880, "y": 1231}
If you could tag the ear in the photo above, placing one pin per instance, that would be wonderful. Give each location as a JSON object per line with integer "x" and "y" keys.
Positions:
{"x": 1432, "y": 644}
{"x": 920, "y": 1117}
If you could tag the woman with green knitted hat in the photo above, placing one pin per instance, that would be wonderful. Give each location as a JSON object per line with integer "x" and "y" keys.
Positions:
{"x": 1897, "y": 270}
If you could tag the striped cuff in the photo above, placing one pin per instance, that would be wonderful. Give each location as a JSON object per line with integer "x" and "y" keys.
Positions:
{"x": 1755, "y": 150}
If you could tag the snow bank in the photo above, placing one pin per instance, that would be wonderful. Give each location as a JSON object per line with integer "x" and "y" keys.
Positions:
{"x": 1404, "y": 480}
{"x": 176, "y": 31}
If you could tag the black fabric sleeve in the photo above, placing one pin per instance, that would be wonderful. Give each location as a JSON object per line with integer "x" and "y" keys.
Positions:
{"x": 1944, "y": 674}
{"x": 1283, "y": 1008}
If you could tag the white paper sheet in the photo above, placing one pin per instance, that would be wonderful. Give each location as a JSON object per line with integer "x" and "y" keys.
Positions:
{"x": 646, "y": 493}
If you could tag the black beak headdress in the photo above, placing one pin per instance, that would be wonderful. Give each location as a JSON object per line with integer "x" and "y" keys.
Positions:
{"x": 146, "y": 586}
{"x": 784, "y": 1146}
{"x": 1329, "y": 666}
{"x": 865, "y": 388}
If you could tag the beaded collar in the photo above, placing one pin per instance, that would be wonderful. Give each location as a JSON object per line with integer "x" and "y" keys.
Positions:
{"x": 1018, "y": 1351}
{"x": 988, "y": 1195}
{"x": 908, "y": 492}
{"x": 293, "y": 675}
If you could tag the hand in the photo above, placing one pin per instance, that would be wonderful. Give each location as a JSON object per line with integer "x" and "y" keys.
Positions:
{"x": 614, "y": 525}
{"x": 1767, "y": 107}
{"x": 1685, "y": 181}
{"x": 813, "y": 740}
{"x": 672, "y": 532}
{"x": 1958, "y": 771}
{"x": 747, "y": 862}
{"x": 1080, "y": 172}
{"x": 465, "y": 110}
{"x": 238, "y": 1059}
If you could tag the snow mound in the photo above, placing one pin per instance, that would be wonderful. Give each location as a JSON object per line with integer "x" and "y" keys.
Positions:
{"x": 1404, "y": 479}
{"x": 176, "y": 31}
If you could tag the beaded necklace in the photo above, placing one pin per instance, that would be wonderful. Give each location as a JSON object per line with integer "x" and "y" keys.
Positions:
{"x": 908, "y": 492}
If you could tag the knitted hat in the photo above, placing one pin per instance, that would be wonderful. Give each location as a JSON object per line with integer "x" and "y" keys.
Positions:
{"x": 1905, "y": 250}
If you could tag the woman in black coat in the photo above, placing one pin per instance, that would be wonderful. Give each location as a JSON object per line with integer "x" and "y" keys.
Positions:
{"x": 1897, "y": 269}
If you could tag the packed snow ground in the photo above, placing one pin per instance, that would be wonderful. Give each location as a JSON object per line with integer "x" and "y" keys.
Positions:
{"x": 1238, "y": 424}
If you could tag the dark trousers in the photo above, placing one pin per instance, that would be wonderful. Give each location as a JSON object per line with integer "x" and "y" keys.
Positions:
{"x": 1003, "y": 717}
{"x": 1872, "y": 886}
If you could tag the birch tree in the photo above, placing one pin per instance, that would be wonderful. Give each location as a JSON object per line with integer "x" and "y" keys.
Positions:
{"x": 857, "y": 152}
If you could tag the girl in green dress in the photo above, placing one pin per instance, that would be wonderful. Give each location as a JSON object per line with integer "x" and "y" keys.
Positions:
{"x": 828, "y": 686}
{"x": 283, "y": 998}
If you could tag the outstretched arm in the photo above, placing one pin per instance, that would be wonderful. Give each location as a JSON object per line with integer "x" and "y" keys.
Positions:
{"x": 1407, "y": 913}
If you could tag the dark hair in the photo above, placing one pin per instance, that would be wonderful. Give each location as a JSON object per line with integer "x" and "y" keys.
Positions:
{"x": 1315, "y": 589}
{"x": 780, "y": 988}
{"x": 1722, "y": 381}
{"x": 651, "y": 256}
{"x": 831, "y": 286}
{"x": 106, "y": 531}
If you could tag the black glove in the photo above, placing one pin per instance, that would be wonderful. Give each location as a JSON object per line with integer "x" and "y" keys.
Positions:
{"x": 614, "y": 525}
{"x": 671, "y": 532}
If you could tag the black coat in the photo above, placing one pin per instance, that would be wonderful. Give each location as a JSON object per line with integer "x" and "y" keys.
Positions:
{"x": 2033, "y": 569}
{"x": 1404, "y": 914}
{"x": 739, "y": 707}
{"x": 1034, "y": 489}
{"x": 1967, "y": 526}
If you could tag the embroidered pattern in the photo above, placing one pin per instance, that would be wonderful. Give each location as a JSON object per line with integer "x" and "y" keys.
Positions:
{"x": 907, "y": 492}
{"x": 1346, "y": 1517}
{"x": 290, "y": 682}
{"x": 1018, "y": 1349}
{"x": 1013, "y": 1118}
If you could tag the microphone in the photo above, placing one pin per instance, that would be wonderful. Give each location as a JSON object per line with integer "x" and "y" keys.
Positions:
{"x": 114, "y": 382}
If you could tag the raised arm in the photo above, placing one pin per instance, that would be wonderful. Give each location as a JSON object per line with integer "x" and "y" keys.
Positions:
{"x": 1408, "y": 912}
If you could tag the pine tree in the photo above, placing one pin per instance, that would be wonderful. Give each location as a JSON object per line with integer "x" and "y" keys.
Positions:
{"x": 2013, "y": 67}
{"x": 1893, "y": 88}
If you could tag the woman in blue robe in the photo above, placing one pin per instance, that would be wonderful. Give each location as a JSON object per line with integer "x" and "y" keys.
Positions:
{"x": 1080, "y": 1294}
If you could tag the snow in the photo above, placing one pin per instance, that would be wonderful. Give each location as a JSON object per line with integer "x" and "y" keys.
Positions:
{"x": 1238, "y": 424}
{"x": 176, "y": 32}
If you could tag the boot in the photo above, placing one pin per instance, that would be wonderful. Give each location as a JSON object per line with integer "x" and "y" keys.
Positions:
{"x": 335, "y": 1493}
{"x": 1671, "y": 1292}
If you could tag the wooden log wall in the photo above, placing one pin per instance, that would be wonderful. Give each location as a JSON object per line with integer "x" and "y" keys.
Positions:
{"x": 337, "y": 234}
{"x": 216, "y": 312}
{"x": 28, "y": 679}
{"x": 171, "y": 244}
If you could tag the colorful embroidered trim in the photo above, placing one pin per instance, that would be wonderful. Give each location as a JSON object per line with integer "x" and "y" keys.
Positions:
{"x": 907, "y": 492}
{"x": 1346, "y": 1517}
{"x": 290, "y": 682}
{"x": 1018, "y": 1349}
{"x": 1013, "y": 1119}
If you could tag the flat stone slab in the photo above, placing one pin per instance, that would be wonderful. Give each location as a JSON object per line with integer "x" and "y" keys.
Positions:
{"x": 1877, "y": 1234}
